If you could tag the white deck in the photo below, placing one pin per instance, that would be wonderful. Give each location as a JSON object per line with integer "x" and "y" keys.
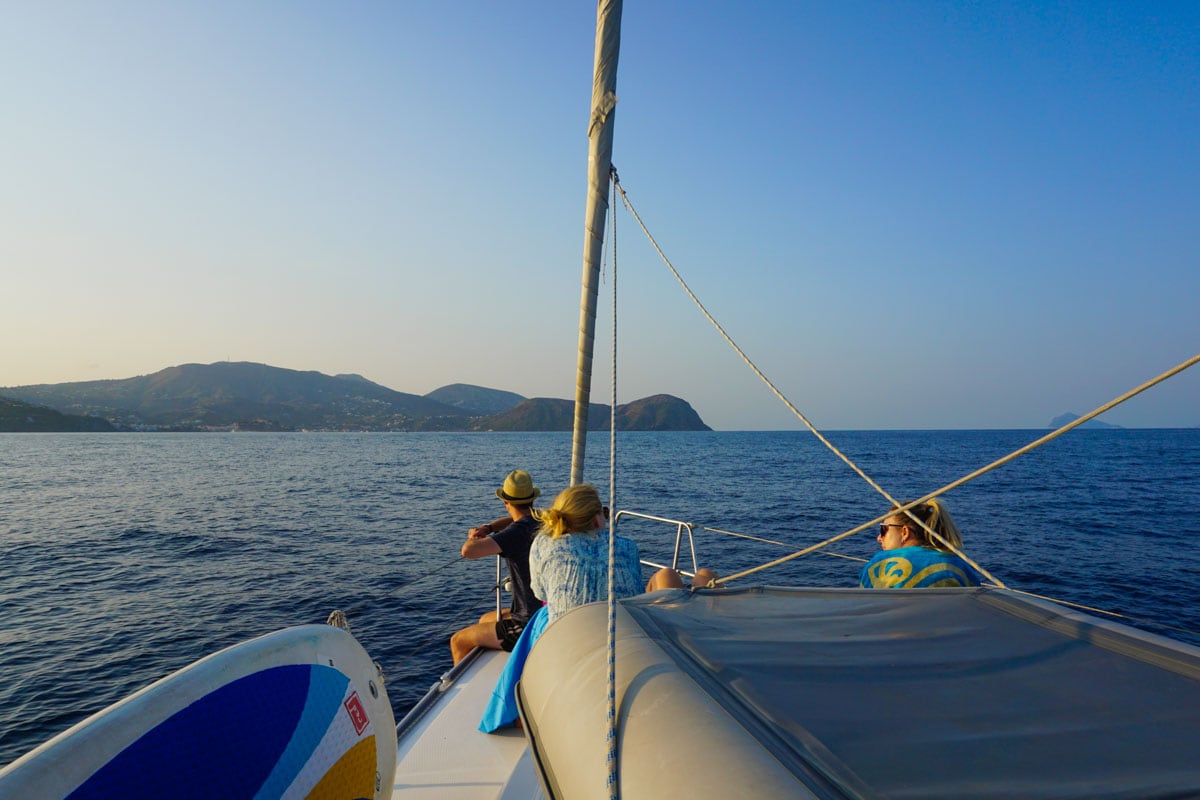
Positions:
{"x": 445, "y": 756}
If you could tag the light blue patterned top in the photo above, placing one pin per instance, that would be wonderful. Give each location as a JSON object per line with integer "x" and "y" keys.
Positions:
{"x": 573, "y": 570}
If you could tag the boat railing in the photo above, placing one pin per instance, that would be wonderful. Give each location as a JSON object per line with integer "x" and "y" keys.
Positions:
{"x": 688, "y": 529}
{"x": 682, "y": 530}
{"x": 500, "y": 585}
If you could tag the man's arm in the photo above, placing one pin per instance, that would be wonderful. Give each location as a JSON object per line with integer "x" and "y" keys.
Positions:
{"x": 478, "y": 548}
{"x": 495, "y": 526}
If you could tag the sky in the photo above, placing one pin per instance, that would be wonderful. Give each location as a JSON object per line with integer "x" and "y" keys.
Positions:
{"x": 910, "y": 215}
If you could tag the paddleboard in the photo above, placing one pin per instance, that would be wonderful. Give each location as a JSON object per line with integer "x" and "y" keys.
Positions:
{"x": 299, "y": 713}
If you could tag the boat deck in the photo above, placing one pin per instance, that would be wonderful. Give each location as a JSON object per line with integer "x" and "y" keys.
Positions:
{"x": 444, "y": 755}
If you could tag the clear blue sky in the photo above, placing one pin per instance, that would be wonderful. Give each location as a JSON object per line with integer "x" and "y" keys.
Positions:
{"x": 912, "y": 215}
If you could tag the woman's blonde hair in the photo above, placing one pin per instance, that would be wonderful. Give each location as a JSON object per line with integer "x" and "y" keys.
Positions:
{"x": 571, "y": 512}
{"x": 935, "y": 514}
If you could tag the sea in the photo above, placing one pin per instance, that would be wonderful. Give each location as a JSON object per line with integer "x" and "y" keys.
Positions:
{"x": 126, "y": 556}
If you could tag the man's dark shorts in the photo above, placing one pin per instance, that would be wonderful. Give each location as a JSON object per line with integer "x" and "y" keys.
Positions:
{"x": 508, "y": 630}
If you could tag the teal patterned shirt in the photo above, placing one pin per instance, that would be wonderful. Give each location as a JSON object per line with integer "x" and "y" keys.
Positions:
{"x": 573, "y": 570}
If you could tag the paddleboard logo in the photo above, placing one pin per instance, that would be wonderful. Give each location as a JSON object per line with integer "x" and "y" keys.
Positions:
{"x": 358, "y": 714}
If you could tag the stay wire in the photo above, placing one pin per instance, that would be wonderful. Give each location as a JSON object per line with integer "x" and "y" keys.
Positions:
{"x": 358, "y": 607}
{"x": 431, "y": 573}
{"x": 1114, "y": 614}
{"x": 742, "y": 354}
{"x": 783, "y": 398}
{"x": 441, "y": 632}
{"x": 424, "y": 643}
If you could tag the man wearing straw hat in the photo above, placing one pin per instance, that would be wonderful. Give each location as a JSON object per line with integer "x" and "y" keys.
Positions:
{"x": 509, "y": 536}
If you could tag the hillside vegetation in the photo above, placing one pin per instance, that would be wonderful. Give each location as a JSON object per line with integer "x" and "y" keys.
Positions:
{"x": 18, "y": 417}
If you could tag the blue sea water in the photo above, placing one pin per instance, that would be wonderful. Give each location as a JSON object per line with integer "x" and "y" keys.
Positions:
{"x": 128, "y": 556}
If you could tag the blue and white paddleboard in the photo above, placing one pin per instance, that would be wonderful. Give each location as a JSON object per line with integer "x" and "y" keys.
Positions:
{"x": 300, "y": 713}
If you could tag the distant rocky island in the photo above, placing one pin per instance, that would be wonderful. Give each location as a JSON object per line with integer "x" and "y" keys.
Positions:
{"x": 1067, "y": 418}
{"x": 244, "y": 396}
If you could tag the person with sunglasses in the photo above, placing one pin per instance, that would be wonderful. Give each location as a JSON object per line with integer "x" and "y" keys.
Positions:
{"x": 909, "y": 558}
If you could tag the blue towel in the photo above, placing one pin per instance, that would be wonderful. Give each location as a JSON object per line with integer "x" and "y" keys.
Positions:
{"x": 501, "y": 710}
{"x": 917, "y": 568}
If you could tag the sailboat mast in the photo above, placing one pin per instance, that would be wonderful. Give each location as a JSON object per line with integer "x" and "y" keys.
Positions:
{"x": 600, "y": 138}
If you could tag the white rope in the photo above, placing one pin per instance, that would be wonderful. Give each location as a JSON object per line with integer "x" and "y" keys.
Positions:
{"x": 799, "y": 414}
{"x": 904, "y": 507}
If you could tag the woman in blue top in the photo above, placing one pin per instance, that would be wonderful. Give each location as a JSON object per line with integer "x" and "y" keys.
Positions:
{"x": 568, "y": 561}
{"x": 568, "y": 567}
{"x": 909, "y": 558}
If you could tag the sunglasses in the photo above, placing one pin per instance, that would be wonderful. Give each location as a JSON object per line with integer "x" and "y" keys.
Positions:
{"x": 883, "y": 527}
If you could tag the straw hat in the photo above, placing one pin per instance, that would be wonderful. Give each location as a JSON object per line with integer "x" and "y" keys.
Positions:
{"x": 518, "y": 488}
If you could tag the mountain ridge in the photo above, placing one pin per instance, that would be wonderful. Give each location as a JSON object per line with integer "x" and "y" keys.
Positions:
{"x": 661, "y": 412}
{"x": 251, "y": 396}
{"x": 475, "y": 400}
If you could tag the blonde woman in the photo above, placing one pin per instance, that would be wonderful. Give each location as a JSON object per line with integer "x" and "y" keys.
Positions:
{"x": 568, "y": 561}
{"x": 909, "y": 558}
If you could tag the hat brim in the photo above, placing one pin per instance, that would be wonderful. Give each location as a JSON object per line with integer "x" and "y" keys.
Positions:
{"x": 519, "y": 500}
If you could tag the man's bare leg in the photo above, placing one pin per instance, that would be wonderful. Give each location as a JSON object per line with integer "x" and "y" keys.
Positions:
{"x": 482, "y": 634}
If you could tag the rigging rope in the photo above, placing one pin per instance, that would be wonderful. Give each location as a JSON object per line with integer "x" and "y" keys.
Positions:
{"x": 613, "y": 785}
{"x": 905, "y": 507}
{"x": 796, "y": 411}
